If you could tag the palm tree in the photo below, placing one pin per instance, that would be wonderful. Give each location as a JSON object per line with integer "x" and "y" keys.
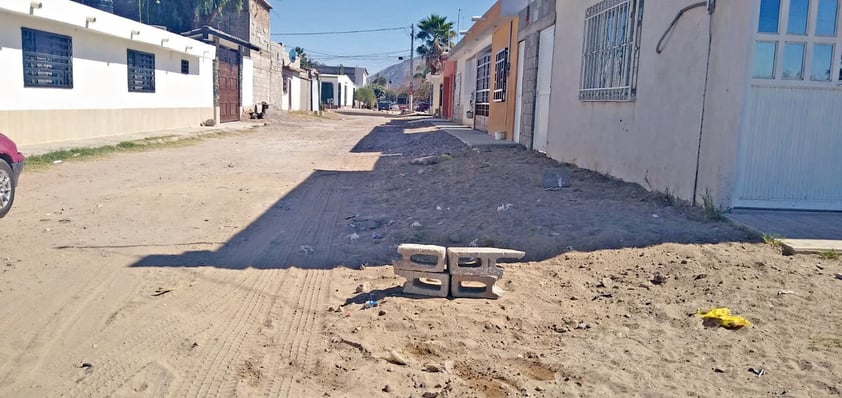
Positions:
{"x": 436, "y": 35}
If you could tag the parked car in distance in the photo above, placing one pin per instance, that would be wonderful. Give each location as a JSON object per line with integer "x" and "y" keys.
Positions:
{"x": 384, "y": 105}
{"x": 11, "y": 165}
{"x": 422, "y": 107}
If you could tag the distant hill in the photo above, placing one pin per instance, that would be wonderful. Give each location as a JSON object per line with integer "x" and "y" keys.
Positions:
{"x": 398, "y": 73}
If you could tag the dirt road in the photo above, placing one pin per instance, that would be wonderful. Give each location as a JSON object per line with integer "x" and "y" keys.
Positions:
{"x": 231, "y": 268}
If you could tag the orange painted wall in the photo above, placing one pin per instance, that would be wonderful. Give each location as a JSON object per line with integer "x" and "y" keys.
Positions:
{"x": 502, "y": 114}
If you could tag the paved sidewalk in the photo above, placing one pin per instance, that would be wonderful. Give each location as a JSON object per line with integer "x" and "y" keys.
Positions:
{"x": 472, "y": 138}
{"x": 40, "y": 149}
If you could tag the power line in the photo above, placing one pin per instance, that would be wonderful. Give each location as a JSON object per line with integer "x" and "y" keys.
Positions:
{"x": 338, "y": 32}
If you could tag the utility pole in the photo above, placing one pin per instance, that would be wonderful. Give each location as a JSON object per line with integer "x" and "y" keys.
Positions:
{"x": 412, "y": 68}
{"x": 458, "y": 25}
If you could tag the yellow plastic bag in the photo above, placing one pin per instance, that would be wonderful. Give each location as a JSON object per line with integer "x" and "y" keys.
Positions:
{"x": 723, "y": 317}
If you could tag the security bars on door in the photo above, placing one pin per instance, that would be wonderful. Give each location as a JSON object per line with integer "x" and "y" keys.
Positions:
{"x": 611, "y": 50}
{"x": 483, "y": 85}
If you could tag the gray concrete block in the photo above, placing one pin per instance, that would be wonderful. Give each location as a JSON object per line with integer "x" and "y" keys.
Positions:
{"x": 478, "y": 260}
{"x": 475, "y": 286}
{"x": 425, "y": 283}
{"x": 425, "y": 258}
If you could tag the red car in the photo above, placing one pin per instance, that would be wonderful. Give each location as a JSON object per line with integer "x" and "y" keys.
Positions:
{"x": 11, "y": 165}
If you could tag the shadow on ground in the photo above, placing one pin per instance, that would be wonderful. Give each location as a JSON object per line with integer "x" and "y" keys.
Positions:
{"x": 486, "y": 198}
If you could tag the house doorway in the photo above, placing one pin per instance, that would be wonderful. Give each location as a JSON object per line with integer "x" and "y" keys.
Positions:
{"x": 482, "y": 97}
{"x": 542, "y": 98}
{"x": 229, "y": 84}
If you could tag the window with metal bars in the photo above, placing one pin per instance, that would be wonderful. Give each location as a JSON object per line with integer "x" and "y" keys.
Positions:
{"x": 611, "y": 51}
{"x": 47, "y": 59}
{"x": 481, "y": 100}
{"x": 501, "y": 74}
{"x": 185, "y": 67}
{"x": 141, "y": 71}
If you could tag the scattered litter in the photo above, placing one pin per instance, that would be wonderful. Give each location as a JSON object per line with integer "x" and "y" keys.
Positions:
{"x": 353, "y": 236}
{"x": 58, "y": 161}
{"x": 504, "y": 207}
{"x": 723, "y": 317}
{"x": 474, "y": 243}
{"x": 757, "y": 372}
{"x": 160, "y": 292}
{"x": 416, "y": 224}
{"x": 307, "y": 249}
{"x": 396, "y": 358}
{"x": 655, "y": 216}
{"x": 438, "y": 208}
{"x": 556, "y": 178}
{"x": 783, "y": 292}
{"x": 370, "y": 304}
{"x": 376, "y": 235}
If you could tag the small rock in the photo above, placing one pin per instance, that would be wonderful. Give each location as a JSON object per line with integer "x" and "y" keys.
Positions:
{"x": 381, "y": 313}
{"x": 539, "y": 388}
{"x": 659, "y": 279}
{"x": 573, "y": 298}
{"x": 583, "y": 326}
{"x": 420, "y": 171}
{"x": 416, "y": 224}
{"x": 433, "y": 368}
{"x": 430, "y": 394}
{"x": 606, "y": 283}
{"x": 783, "y": 292}
{"x": 396, "y": 358}
{"x": 376, "y": 236}
{"x": 719, "y": 370}
{"x": 387, "y": 389}
{"x": 839, "y": 276}
{"x": 362, "y": 288}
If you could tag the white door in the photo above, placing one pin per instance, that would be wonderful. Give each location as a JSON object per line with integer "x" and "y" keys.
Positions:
{"x": 542, "y": 99}
{"x": 519, "y": 91}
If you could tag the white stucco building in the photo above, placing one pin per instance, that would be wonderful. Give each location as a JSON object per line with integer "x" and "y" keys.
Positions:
{"x": 337, "y": 91}
{"x": 71, "y": 72}
{"x": 739, "y": 104}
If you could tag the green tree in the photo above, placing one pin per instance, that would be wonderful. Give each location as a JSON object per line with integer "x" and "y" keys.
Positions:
{"x": 436, "y": 35}
{"x": 380, "y": 81}
{"x": 366, "y": 96}
{"x": 302, "y": 55}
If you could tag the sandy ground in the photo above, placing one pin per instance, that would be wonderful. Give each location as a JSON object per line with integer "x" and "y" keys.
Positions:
{"x": 232, "y": 267}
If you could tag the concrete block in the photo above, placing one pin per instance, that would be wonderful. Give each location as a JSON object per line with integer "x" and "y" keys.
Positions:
{"x": 431, "y": 284}
{"x": 424, "y": 258}
{"x": 478, "y": 260}
{"x": 475, "y": 286}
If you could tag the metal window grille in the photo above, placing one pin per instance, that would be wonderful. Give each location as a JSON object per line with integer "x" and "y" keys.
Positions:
{"x": 483, "y": 85}
{"x": 501, "y": 74}
{"x": 611, "y": 51}
{"x": 141, "y": 72}
{"x": 47, "y": 59}
{"x": 185, "y": 67}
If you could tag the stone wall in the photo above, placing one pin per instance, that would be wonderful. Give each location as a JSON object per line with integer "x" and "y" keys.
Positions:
{"x": 258, "y": 12}
{"x": 539, "y": 15}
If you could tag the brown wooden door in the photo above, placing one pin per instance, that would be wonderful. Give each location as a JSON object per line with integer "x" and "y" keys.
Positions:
{"x": 229, "y": 85}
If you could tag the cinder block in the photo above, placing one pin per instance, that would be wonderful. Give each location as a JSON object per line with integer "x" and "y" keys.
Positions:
{"x": 460, "y": 289}
{"x": 422, "y": 283}
{"x": 478, "y": 260}
{"x": 437, "y": 256}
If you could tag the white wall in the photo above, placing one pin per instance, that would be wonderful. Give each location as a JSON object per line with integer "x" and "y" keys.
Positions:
{"x": 100, "y": 76}
{"x": 99, "y": 63}
{"x": 347, "y": 88}
{"x": 247, "y": 83}
{"x": 295, "y": 88}
{"x": 654, "y": 140}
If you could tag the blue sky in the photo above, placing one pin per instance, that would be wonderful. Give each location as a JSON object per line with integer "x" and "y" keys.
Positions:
{"x": 372, "y": 50}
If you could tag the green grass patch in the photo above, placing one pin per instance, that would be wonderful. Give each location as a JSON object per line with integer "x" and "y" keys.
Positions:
{"x": 65, "y": 155}
{"x": 829, "y": 255}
